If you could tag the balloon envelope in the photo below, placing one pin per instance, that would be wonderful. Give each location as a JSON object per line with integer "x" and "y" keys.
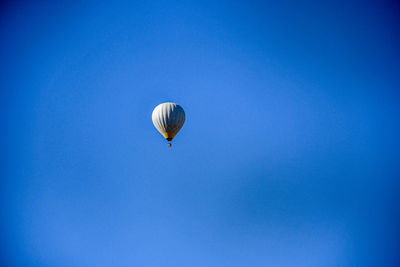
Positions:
{"x": 168, "y": 118}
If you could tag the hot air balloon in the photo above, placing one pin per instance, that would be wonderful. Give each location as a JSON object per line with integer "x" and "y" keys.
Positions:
{"x": 168, "y": 118}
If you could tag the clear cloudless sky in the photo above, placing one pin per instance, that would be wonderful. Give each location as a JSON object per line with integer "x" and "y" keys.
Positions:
{"x": 289, "y": 155}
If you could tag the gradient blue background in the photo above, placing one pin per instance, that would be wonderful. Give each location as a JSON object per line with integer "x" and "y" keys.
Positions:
{"x": 289, "y": 155}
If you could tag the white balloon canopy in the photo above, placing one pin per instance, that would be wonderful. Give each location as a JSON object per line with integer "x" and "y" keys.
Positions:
{"x": 168, "y": 118}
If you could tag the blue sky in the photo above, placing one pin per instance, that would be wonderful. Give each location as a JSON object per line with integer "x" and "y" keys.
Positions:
{"x": 289, "y": 155}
